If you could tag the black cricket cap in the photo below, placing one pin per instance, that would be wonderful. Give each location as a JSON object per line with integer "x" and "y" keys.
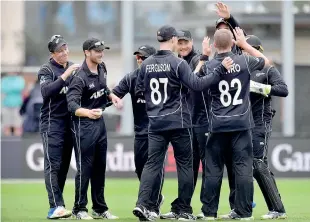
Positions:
{"x": 255, "y": 42}
{"x": 95, "y": 44}
{"x": 55, "y": 43}
{"x": 166, "y": 33}
{"x": 145, "y": 50}
{"x": 220, "y": 21}
{"x": 185, "y": 35}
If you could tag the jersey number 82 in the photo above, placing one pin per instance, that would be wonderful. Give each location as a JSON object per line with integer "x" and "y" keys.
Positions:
{"x": 225, "y": 96}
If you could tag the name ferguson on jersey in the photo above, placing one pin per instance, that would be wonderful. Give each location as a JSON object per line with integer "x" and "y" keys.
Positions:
{"x": 157, "y": 68}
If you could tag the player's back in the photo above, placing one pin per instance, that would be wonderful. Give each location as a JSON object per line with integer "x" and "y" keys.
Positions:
{"x": 230, "y": 107}
{"x": 166, "y": 97}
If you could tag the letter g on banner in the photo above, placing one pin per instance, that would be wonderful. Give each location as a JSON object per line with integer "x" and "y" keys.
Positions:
{"x": 38, "y": 164}
{"x": 275, "y": 157}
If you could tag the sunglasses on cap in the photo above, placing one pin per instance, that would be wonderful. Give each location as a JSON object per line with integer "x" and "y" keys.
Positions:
{"x": 55, "y": 37}
{"x": 96, "y": 44}
{"x": 259, "y": 48}
{"x": 140, "y": 57}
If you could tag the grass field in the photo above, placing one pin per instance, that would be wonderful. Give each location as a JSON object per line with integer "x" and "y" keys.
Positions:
{"x": 28, "y": 201}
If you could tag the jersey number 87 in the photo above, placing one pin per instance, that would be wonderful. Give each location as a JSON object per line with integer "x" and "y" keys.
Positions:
{"x": 154, "y": 85}
{"x": 225, "y": 96}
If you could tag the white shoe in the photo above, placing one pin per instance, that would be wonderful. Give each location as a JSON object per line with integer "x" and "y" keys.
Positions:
{"x": 82, "y": 215}
{"x": 169, "y": 216}
{"x": 104, "y": 215}
{"x": 208, "y": 218}
{"x": 154, "y": 215}
{"x": 228, "y": 216}
{"x": 200, "y": 216}
{"x": 58, "y": 212}
{"x": 274, "y": 215}
{"x": 234, "y": 216}
{"x": 247, "y": 218}
{"x": 186, "y": 217}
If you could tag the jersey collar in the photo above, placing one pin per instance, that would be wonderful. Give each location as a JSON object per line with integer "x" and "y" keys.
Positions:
{"x": 164, "y": 52}
{"x": 88, "y": 72}
{"x": 223, "y": 55}
{"x": 57, "y": 64}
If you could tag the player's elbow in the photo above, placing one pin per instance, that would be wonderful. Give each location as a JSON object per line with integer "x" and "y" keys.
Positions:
{"x": 285, "y": 92}
{"x": 72, "y": 106}
{"x": 280, "y": 91}
{"x": 45, "y": 93}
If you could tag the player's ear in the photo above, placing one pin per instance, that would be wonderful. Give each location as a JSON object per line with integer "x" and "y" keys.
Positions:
{"x": 87, "y": 52}
{"x": 214, "y": 45}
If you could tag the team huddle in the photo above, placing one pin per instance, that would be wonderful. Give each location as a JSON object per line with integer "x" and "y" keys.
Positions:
{"x": 213, "y": 111}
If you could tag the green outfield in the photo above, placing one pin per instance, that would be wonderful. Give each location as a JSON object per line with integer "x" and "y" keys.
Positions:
{"x": 28, "y": 201}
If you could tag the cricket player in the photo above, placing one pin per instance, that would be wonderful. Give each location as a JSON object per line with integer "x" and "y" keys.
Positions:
{"x": 264, "y": 85}
{"x": 141, "y": 121}
{"x": 227, "y": 21}
{"x": 55, "y": 130}
{"x": 230, "y": 125}
{"x": 198, "y": 110}
{"x": 87, "y": 98}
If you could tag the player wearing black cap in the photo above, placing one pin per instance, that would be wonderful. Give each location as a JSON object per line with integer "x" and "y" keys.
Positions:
{"x": 141, "y": 121}
{"x": 227, "y": 21}
{"x": 265, "y": 84}
{"x": 163, "y": 81}
{"x": 230, "y": 126}
{"x": 198, "y": 110}
{"x": 55, "y": 123}
{"x": 87, "y": 98}
{"x": 127, "y": 85}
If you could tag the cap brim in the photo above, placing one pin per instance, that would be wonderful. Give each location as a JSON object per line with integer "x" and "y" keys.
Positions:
{"x": 136, "y": 53}
{"x": 60, "y": 44}
{"x": 253, "y": 42}
{"x": 140, "y": 52}
{"x": 222, "y": 22}
{"x": 102, "y": 47}
{"x": 184, "y": 38}
{"x": 179, "y": 33}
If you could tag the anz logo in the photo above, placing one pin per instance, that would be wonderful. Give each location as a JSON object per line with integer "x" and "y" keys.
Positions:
{"x": 98, "y": 94}
{"x": 140, "y": 101}
{"x": 64, "y": 90}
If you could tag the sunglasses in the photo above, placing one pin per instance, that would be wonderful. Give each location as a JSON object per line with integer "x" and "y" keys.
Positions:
{"x": 96, "y": 44}
{"x": 259, "y": 48}
{"x": 140, "y": 57}
{"x": 55, "y": 37}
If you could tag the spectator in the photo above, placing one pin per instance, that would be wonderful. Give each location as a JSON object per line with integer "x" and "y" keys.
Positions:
{"x": 12, "y": 86}
{"x": 30, "y": 110}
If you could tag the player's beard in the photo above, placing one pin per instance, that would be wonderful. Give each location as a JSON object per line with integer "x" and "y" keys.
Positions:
{"x": 96, "y": 60}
